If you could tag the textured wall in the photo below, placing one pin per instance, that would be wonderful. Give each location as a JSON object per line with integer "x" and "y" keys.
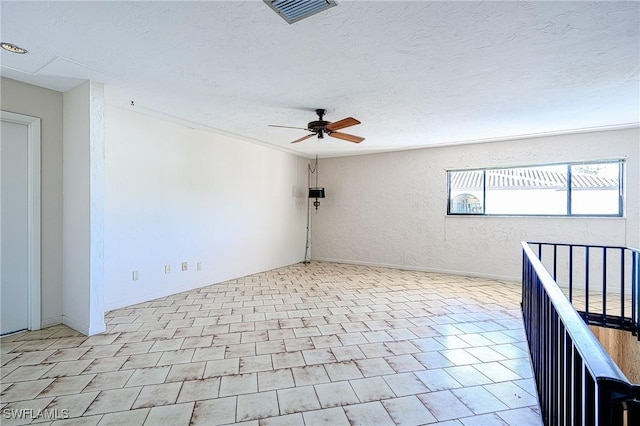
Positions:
{"x": 177, "y": 195}
{"x": 390, "y": 209}
{"x": 45, "y": 104}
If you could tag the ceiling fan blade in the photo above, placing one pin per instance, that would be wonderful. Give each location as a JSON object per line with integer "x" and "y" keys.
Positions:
{"x": 346, "y": 137}
{"x": 288, "y": 127}
{"x": 303, "y": 138}
{"x": 341, "y": 124}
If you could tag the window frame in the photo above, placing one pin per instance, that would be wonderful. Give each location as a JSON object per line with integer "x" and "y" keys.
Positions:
{"x": 621, "y": 172}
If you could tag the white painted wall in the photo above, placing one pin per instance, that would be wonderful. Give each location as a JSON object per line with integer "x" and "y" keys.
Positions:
{"x": 390, "y": 209}
{"x": 83, "y": 204}
{"x": 177, "y": 195}
{"x": 46, "y": 104}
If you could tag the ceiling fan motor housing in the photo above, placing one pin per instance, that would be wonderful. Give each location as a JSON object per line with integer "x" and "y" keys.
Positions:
{"x": 318, "y": 127}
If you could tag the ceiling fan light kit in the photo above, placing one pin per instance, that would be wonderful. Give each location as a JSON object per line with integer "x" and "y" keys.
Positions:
{"x": 320, "y": 127}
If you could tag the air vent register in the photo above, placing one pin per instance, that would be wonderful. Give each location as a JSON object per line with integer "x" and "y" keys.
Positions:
{"x": 295, "y": 10}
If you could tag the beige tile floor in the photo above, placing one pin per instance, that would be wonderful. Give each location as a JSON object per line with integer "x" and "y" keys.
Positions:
{"x": 614, "y": 305}
{"x": 310, "y": 344}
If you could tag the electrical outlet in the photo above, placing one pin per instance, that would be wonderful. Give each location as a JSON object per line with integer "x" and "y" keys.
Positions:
{"x": 167, "y": 269}
{"x": 185, "y": 266}
{"x": 135, "y": 276}
{"x": 199, "y": 266}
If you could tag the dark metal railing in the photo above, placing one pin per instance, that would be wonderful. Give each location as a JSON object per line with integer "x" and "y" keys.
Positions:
{"x": 577, "y": 381}
{"x": 601, "y": 281}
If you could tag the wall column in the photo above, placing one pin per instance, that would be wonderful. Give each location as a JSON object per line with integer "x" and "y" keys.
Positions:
{"x": 83, "y": 208}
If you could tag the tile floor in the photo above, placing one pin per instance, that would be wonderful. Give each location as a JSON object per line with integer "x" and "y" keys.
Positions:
{"x": 310, "y": 344}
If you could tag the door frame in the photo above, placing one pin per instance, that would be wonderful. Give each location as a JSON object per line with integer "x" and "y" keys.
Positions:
{"x": 34, "y": 230}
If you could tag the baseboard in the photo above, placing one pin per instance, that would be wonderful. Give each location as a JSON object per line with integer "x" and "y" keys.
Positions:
{"x": 97, "y": 327}
{"x": 130, "y": 301}
{"x": 422, "y": 269}
{"x": 76, "y": 325}
{"x": 51, "y": 321}
{"x": 126, "y": 302}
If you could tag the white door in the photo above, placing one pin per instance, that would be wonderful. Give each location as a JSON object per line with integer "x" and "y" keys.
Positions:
{"x": 14, "y": 227}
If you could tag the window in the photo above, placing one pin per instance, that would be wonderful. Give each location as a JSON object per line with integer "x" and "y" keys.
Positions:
{"x": 466, "y": 203}
{"x": 569, "y": 189}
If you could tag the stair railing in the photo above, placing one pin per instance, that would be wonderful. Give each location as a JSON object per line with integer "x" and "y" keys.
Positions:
{"x": 577, "y": 381}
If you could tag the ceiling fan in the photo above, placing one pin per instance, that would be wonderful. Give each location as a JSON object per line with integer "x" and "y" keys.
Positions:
{"x": 321, "y": 127}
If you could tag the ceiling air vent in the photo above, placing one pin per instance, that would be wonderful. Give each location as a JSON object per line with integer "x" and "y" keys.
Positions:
{"x": 295, "y": 10}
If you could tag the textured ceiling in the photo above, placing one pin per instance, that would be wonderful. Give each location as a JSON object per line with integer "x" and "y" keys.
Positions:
{"x": 415, "y": 73}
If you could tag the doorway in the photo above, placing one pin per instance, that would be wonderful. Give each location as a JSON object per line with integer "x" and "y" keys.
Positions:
{"x": 19, "y": 223}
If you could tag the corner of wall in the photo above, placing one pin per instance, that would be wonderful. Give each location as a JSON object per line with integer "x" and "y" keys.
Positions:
{"x": 83, "y": 208}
